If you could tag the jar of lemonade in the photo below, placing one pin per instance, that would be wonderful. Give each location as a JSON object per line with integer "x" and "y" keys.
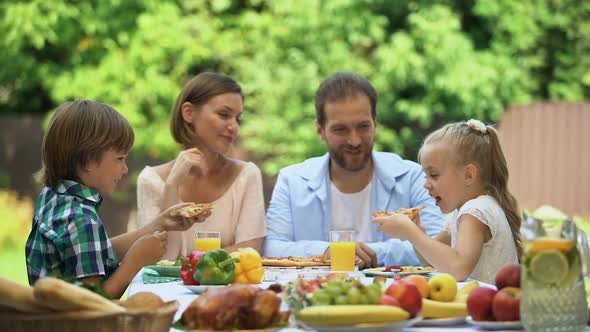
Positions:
{"x": 553, "y": 295}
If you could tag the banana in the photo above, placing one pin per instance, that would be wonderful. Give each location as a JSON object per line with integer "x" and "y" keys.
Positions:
{"x": 463, "y": 293}
{"x": 438, "y": 309}
{"x": 341, "y": 315}
{"x": 467, "y": 288}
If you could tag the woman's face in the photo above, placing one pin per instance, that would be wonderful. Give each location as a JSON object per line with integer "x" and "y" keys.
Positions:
{"x": 217, "y": 122}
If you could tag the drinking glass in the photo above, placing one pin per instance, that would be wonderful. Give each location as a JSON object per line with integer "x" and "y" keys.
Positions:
{"x": 554, "y": 264}
{"x": 342, "y": 253}
{"x": 207, "y": 240}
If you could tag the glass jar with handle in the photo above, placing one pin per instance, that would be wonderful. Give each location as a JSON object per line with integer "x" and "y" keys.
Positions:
{"x": 554, "y": 264}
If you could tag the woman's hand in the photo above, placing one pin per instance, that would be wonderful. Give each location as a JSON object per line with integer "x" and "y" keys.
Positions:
{"x": 396, "y": 225}
{"x": 178, "y": 223}
{"x": 186, "y": 160}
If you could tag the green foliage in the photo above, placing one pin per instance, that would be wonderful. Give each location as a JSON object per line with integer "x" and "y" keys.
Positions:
{"x": 431, "y": 61}
{"x": 16, "y": 215}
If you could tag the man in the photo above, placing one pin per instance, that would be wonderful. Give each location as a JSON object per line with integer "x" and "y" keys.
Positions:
{"x": 341, "y": 189}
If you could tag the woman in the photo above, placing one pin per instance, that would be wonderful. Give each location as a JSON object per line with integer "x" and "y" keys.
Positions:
{"x": 205, "y": 121}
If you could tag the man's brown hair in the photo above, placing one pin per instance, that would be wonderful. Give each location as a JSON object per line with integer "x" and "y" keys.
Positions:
{"x": 340, "y": 86}
{"x": 81, "y": 131}
{"x": 198, "y": 91}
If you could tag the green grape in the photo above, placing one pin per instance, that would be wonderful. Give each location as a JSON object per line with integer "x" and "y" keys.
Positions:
{"x": 354, "y": 295}
{"x": 333, "y": 290}
{"x": 364, "y": 299}
{"x": 373, "y": 294}
{"x": 341, "y": 299}
{"x": 321, "y": 297}
{"x": 334, "y": 283}
{"x": 346, "y": 285}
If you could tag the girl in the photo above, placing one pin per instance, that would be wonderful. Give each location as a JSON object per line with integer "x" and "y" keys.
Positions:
{"x": 205, "y": 120}
{"x": 466, "y": 174}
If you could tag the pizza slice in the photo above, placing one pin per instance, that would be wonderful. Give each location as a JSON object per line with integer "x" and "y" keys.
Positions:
{"x": 292, "y": 261}
{"x": 193, "y": 210}
{"x": 412, "y": 213}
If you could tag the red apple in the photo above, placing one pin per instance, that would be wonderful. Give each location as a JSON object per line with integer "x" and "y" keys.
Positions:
{"x": 506, "y": 304}
{"x": 508, "y": 276}
{"x": 407, "y": 294}
{"x": 479, "y": 303}
{"x": 389, "y": 300}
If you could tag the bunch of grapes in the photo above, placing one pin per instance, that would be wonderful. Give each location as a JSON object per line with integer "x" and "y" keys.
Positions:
{"x": 340, "y": 291}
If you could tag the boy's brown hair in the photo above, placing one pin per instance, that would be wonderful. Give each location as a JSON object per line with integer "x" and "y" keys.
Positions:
{"x": 81, "y": 131}
{"x": 198, "y": 91}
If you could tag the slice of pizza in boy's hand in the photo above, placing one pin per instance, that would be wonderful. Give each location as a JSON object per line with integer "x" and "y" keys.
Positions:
{"x": 193, "y": 210}
{"x": 412, "y": 213}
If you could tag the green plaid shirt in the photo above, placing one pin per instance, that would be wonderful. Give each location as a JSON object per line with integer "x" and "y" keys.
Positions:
{"x": 67, "y": 237}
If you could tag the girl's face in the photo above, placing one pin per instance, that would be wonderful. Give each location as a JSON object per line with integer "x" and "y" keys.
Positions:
{"x": 445, "y": 181}
{"x": 217, "y": 122}
{"x": 106, "y": 173}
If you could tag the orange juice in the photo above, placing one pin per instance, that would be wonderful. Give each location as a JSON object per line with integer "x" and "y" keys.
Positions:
{"x": 342, "y": 256}
{"x": 207, "y": 244}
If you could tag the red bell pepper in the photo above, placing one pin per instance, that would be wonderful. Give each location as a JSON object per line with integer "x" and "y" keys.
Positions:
{"x": 187, "y": 269}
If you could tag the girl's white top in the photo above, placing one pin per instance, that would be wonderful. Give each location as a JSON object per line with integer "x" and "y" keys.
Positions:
{"x": 238, "y": 214}
{"x": 500, "y": 249}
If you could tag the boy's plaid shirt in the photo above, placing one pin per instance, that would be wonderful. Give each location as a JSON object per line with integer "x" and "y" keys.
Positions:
{"x": 68, "y": 238}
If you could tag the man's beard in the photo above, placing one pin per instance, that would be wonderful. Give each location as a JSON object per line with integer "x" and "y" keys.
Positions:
{"x": 340, "y": 160}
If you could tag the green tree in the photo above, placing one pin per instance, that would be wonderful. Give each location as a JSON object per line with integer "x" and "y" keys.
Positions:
{"x": 431, "y": 61}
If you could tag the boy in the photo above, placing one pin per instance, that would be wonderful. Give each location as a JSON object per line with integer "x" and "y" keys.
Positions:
{"x": 83, "y": 153}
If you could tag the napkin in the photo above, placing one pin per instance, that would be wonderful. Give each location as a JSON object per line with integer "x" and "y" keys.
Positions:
{"x": 150, "y": 276}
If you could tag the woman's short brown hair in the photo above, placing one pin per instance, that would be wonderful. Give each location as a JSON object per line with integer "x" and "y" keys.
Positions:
{"x": 81, "y": 131}
{"x": 198, "y": 91}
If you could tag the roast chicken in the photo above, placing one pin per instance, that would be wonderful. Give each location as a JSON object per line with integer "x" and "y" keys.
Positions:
{"x": 233, "y": 307}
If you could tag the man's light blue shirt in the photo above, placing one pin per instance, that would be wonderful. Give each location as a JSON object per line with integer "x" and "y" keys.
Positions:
{"x": 299, "y": 215}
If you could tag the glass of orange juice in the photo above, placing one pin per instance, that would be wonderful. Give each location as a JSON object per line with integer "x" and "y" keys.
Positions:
{"x": 207, "y": 240}
{"x": 342, "y": 251}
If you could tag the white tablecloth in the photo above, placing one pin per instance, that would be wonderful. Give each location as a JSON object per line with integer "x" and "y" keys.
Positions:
{"x": 176, "y": 291}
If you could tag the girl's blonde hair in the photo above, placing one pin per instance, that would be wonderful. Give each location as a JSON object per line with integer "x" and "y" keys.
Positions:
{"x": 474, "y": 142}
{"x": 80, "y": 131}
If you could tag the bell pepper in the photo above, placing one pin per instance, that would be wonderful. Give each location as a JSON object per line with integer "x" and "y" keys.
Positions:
{"x": 215, "y": 267}
{"x": 249, "y": 270}
{"x": 187, "y": 269}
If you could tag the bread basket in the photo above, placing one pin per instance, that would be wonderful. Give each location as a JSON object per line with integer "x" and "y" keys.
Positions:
{"x": 150, "y": 320}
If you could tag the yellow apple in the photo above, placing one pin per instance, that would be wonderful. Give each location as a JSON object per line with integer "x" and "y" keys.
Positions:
{"x": 443, "y": 287}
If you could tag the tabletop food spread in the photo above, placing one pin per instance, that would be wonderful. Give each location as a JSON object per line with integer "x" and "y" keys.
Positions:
{"x": 243, "y": 291}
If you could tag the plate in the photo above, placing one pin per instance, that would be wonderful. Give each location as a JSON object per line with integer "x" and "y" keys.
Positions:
{"x": 491, "y": 325}
{"x": 379, "y": 273}
{"x": 202, "y": 288}
{"x": 402, "y": 274}
{"x": 393, "y": 327}
{"x": 441, "y": 321}
{"x": 166, "y": 271}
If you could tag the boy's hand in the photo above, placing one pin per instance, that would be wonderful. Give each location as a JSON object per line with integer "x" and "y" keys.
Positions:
{"x": 396, "y": 225}
{"x": 179, "y": 223}
{"x": 148, "y": 249}
{"x": 186, "y": 160}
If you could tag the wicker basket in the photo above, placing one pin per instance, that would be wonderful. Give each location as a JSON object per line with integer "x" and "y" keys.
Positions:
{"x": 156, "y": 320}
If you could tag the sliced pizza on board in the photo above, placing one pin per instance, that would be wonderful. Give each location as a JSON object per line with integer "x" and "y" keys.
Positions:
{"x": 292, "y": 261}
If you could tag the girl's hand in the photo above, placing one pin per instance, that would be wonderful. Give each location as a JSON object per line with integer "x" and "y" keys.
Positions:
{"x": 396, "y": 225}
{"x": 186, "y": 160}
{"x": 178, "y": 223}
{"x": 148, "y": 249}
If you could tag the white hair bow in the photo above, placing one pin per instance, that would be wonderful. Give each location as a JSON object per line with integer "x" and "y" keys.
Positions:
{"x": 477, "y": 126}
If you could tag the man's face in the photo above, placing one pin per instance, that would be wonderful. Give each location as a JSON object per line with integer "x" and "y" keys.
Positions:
{"x": 349, "y": 132}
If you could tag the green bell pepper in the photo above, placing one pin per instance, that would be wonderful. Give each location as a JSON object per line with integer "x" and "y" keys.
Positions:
{"x": 215, "y": 267}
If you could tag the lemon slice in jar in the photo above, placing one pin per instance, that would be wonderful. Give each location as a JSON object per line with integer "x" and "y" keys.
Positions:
{"x": 549, "y": 266}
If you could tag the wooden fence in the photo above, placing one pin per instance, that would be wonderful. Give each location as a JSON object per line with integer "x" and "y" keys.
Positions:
{"x": 548, "y": 153}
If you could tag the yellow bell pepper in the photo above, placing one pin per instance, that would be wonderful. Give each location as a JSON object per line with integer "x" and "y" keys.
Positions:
{"x": 249, "y": 270}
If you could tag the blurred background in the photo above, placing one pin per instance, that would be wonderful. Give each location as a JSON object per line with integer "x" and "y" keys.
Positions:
{"x": 522, "y": 65}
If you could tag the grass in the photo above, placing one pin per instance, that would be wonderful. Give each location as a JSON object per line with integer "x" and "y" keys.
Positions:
{"x": 13, "y": 265}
